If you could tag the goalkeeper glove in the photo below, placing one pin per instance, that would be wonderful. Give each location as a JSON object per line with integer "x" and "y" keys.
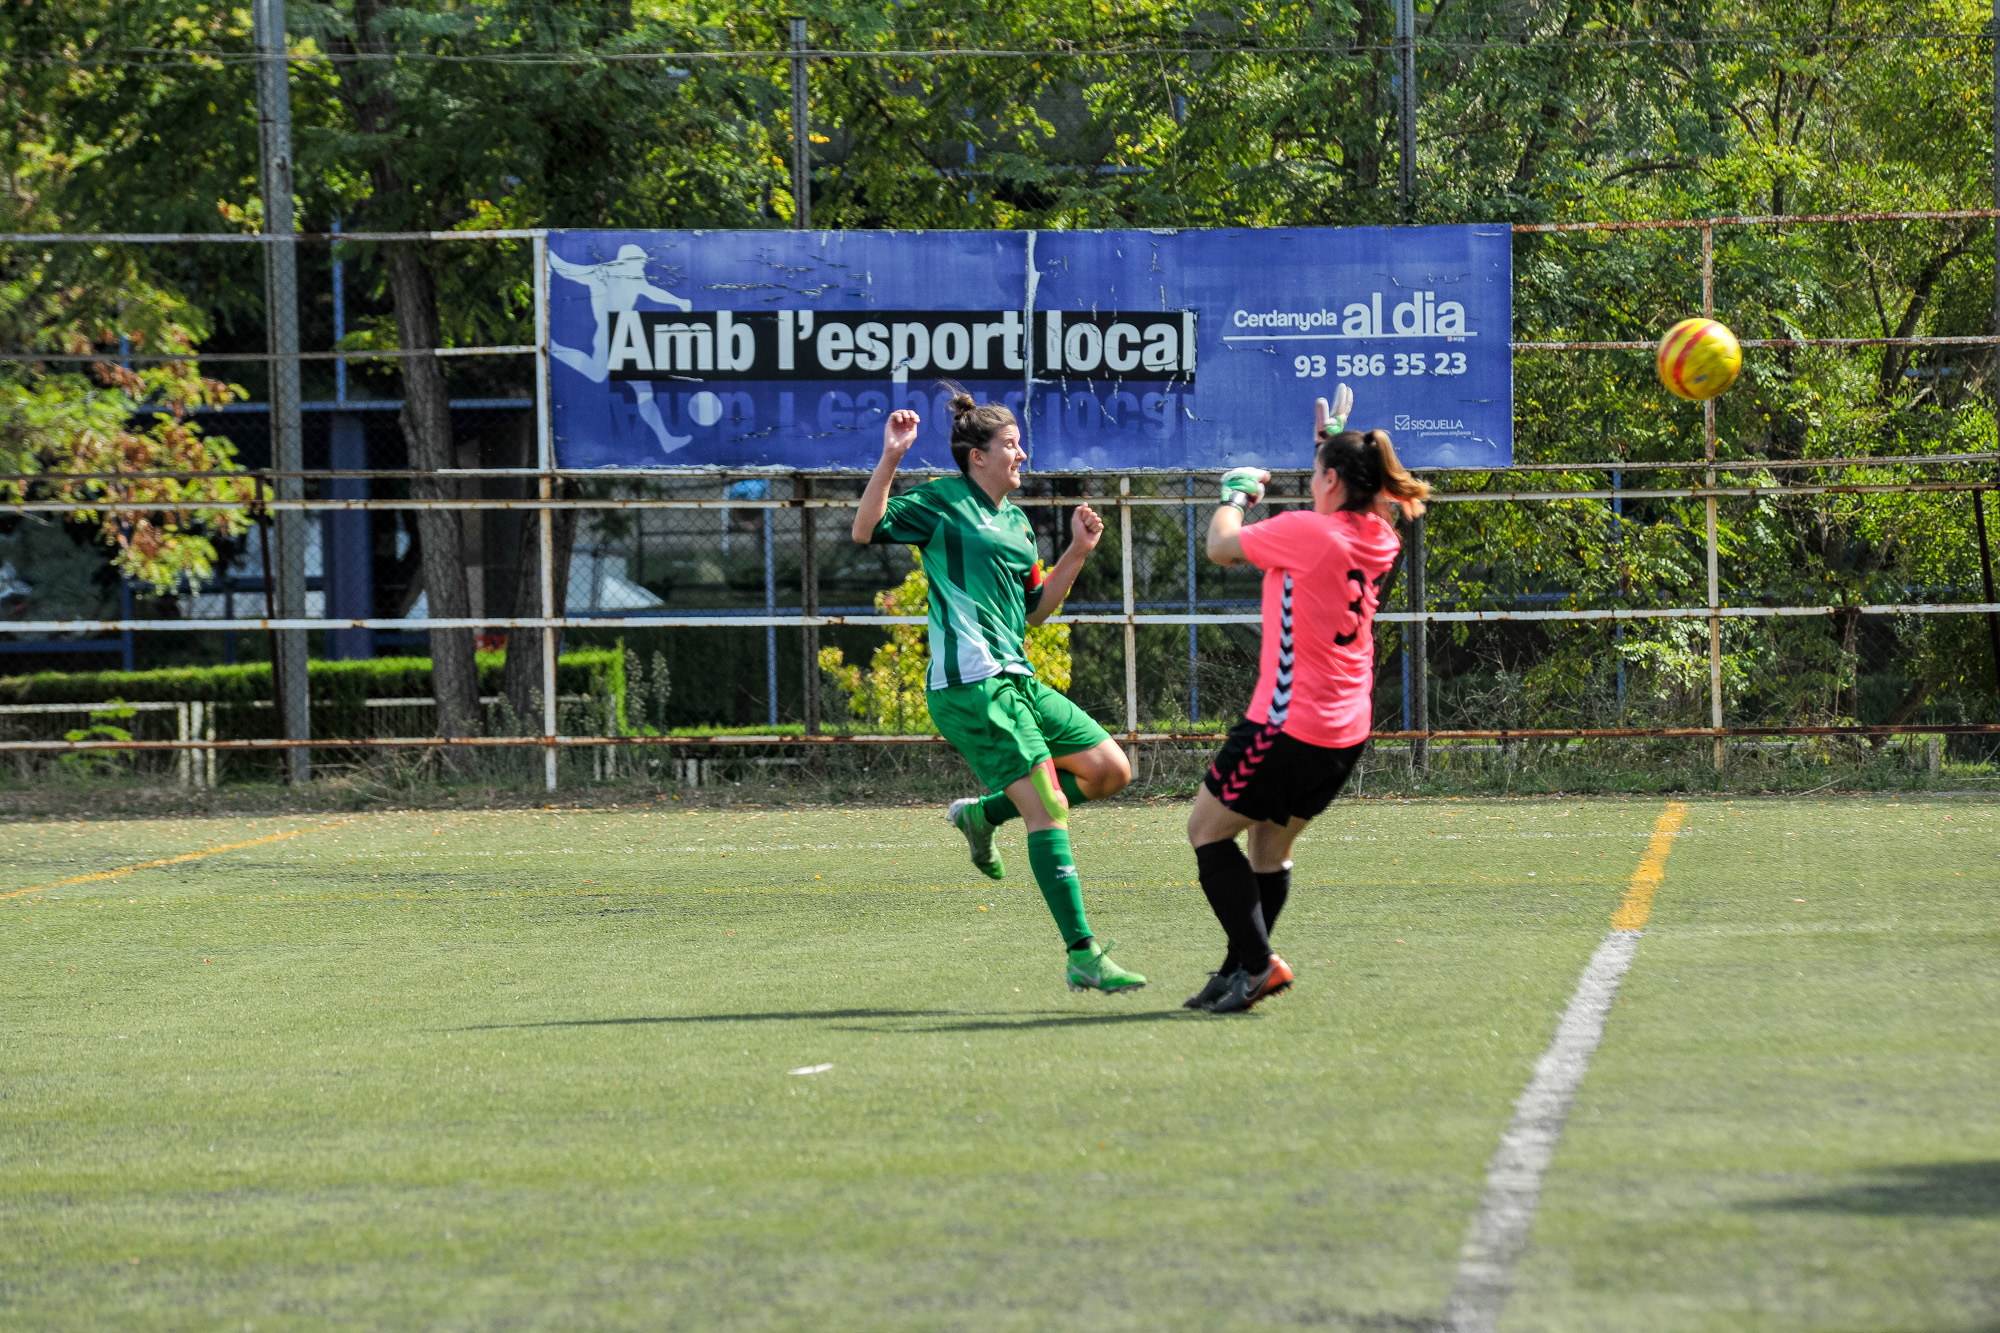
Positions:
{"x": 1333, "y": 420}
{"x": 1244, "y": 486}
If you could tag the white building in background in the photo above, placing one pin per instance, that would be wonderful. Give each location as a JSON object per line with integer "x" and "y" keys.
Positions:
{"x": 599, "y": 584}
{"x": 238, "y": 590}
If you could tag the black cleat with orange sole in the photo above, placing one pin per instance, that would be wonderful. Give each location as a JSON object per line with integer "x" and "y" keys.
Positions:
{"x": 1218, "y": 982}
{"x": 1246, "y": 990}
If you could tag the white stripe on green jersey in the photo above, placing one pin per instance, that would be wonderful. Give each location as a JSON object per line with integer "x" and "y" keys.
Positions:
{"x": 980, "y": 560}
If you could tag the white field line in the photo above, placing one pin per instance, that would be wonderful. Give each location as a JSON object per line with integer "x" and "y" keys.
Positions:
{"x": 1514, "y": 1179}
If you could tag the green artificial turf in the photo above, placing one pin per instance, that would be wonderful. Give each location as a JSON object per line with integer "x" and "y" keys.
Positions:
{"x": 528, "y": 1069}
{"x": 1794, "y": 1120}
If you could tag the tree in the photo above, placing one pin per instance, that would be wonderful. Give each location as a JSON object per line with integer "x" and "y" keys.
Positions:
{"x": 66, "y": 434}
{"x": 445, "y": 145}
{"x": 442, "y": 114}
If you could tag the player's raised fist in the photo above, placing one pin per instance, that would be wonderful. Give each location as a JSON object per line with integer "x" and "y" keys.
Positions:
{"x": 1244, "y": 486}
{"x": 1085, "y": 527}
{"x": 899, "y": 432}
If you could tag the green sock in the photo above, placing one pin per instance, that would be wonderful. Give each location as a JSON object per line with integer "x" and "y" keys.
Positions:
{"x": 998, "y": 808}
{"x": 1055, "y": 873}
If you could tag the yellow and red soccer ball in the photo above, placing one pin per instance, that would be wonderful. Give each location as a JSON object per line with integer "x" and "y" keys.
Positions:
{"x": 1698, "y": 359}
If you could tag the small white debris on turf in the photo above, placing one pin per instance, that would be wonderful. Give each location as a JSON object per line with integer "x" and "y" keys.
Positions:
{"x": 809, "y": 1069}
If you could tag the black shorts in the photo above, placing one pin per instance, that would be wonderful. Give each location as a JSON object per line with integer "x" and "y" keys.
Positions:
{"x": 1263, "y": 774}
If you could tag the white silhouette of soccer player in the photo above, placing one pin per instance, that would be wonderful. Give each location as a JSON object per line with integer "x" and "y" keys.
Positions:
{"x": 616, "y": 285}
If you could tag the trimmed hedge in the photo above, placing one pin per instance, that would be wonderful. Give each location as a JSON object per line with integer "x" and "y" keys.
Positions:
{"x": 593, "y": 671}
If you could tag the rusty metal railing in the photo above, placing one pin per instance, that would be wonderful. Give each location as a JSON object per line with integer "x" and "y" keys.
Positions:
{"x": 545, "y": 504}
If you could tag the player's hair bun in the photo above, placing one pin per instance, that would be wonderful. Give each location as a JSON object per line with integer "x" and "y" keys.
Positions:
{"x": 973, "y": 425}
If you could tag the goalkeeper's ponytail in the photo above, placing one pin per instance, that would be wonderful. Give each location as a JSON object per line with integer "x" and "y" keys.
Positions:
{"x": 1366, "y": 463}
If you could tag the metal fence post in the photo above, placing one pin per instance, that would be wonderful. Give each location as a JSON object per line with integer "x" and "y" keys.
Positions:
{"x": 1131, "y": 628}
{"x": 1406, "y": 105}
{"x": 1986, "y": 576}
{"x": 260, "y": 483}
{"x": 281, "y": 318}
{"x": 1407, "y": 725}
{"x": 1617, "y": 539}
{"x": 126, "y": 643}
{"x": 801, "y": 132}
{"x": 1194, "y": 657}
{"x": 802, "y": 489}
{"x": 198, "y": 759}
{"x": 546, "y": 461}
{"x": 347, "y": 564}
{"x": 1992, "y": 622}
{"x": 1708, "y": 453}
{"x": 610, "y": 764}
{"x": 1419, "y": 653}
{"x": 1033, "y": 284}
{"x": 770, "y": 609}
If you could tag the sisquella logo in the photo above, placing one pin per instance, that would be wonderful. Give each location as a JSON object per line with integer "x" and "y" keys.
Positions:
{"x": 1429, "y": 423}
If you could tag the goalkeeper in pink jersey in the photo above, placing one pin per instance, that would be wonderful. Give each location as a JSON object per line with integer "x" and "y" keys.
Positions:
{"x": 1289, "y": 757}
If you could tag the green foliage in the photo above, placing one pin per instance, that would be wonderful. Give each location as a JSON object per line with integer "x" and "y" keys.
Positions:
{"x": 404, "y": 140}
{"x": 96, "y": 763}
{"x": 643, "y": 707}
{"x": 1151, "y": 113}
{"x": 892, "y": 695}
{"x": 56, "y": 423}
{"x": 594, "y": 671}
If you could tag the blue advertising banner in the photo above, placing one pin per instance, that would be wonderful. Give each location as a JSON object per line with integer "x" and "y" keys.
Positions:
{"x": 1121, "y": 350}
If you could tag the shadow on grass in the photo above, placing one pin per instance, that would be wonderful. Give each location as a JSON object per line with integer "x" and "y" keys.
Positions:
{"x": 1927, "y": 1189}
{"x": 957, "y": 1021}
{"x": 783, "y": 1016}
{"x": 1028, "y": 1022}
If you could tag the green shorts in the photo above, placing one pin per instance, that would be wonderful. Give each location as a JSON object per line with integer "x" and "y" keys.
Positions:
{"x": 1006, "y": 724}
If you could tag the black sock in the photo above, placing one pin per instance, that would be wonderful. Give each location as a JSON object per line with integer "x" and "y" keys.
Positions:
{"x": 1083, "y": 943}
{"x": 1231, "y": 887}
{"x": 1273, "y": 887}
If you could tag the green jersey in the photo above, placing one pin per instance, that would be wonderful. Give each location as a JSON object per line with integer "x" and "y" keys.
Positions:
{"x": 980, "y": 559}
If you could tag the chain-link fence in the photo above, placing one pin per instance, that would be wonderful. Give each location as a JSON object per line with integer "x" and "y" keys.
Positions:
{"x": 1645, "y": 575}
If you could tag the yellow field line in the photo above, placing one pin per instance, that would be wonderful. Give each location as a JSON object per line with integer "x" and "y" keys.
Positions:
{"x": 1637, "y": 904}
{"x": 122, "y": 871}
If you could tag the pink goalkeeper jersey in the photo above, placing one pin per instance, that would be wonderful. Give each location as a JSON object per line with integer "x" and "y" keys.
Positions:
{"x": 1322, "y": 581}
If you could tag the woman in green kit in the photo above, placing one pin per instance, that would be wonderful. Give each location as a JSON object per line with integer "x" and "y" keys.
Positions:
{"x": 1038, "y": 752}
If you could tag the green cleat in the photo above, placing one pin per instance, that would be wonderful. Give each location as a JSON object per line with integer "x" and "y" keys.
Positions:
{"x": 964, "y": 815}
{"x": 1091, "y": 968}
